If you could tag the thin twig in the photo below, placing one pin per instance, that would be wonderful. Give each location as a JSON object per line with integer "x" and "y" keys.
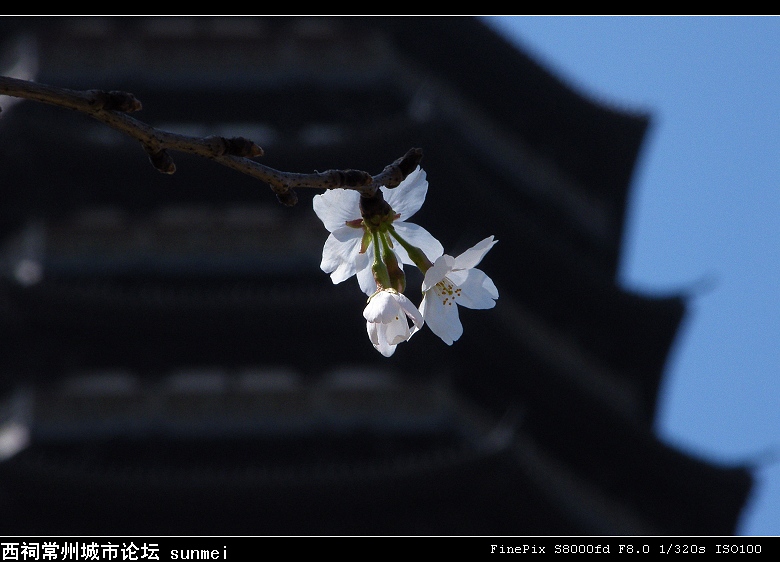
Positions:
{"x": 112, "y": 108}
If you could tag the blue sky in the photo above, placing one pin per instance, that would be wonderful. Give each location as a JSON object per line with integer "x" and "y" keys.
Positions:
{"x": 704, "y": 214}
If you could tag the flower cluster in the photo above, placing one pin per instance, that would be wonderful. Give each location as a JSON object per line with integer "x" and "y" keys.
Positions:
{"x": 370, "y": 238}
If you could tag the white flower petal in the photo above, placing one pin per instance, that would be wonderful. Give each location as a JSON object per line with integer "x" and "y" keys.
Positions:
{"x": 458, "y": 277}
{"x": 411, "y": 311}
{"x": 339, "y": 253}
{"x": 337, "y": 206}
{"x": 442, "y": 319}
{"x": 471, "y": 257}
{"x": 407, "y": 198}
{"x": 419, "y": 237}
{"x": 365, "y": 276}
{"x": 477, "y": 290}
{"x": 378, "y": 339}
{"x": 441, "y": 267}
{"x": 381, "y": 308}
{"x": 373, "y": 333}
{"x": 397, "y": 330}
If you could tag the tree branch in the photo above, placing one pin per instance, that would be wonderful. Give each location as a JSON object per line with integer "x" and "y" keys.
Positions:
{"x": 112, "y": 108}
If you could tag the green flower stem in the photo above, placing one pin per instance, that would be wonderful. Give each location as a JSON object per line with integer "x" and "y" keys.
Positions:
{"x": 415, "y": 254}
{"x": 378, "y": 268}
{"x": 397, "y": 276}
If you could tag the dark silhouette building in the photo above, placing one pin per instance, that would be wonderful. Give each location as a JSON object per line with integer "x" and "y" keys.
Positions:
{"x": 174, "y": 362}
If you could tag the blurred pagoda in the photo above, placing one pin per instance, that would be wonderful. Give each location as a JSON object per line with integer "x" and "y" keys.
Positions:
{"x": 174, "y": 361}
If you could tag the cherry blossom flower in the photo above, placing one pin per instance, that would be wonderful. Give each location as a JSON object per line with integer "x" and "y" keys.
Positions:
{"x": 456, "y": 281}
{"x": 349, "y": 249}
{"x": 386, "y": 320}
